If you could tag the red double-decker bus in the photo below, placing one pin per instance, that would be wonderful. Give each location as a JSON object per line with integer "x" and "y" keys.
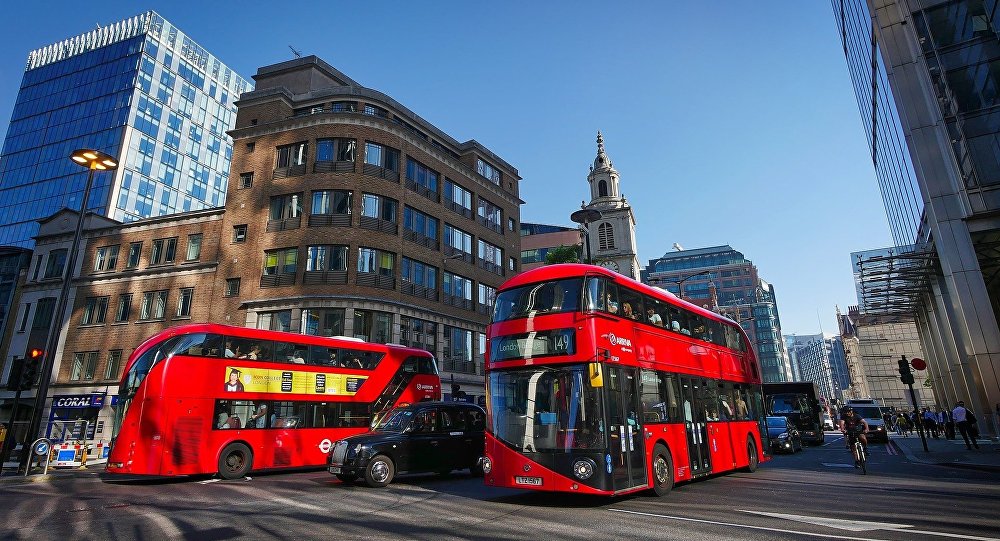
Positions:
{"x": 207, "y": 398}
{"x": 599, "y": 384}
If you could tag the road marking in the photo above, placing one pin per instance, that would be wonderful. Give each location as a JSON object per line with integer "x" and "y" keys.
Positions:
{"x": 207, "y": 481}
{"x": 890, "y": 449}
{"x": 901, "y": 527}
{"x": 863, "y": 526}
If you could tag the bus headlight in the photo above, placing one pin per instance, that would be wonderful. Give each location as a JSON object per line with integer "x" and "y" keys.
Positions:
{"x": 583, "y": 469}
{"x": 487, "y": 465}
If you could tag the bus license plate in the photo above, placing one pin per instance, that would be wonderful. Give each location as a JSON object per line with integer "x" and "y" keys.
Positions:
{"x": 533, "y": 481}
{"x": 335, "y": 469}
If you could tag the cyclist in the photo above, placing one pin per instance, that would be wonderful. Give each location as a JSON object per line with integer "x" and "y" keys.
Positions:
{"x": 854, "y": 427}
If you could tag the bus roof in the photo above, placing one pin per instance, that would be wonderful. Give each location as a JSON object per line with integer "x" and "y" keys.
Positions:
{"x": 568, "y": 270}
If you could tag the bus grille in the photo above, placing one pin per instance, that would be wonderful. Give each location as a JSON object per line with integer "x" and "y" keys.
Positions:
{"x": 339, "y": 452}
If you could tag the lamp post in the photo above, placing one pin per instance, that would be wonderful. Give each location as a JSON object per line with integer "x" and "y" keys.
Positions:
{"x": 680, "y": 283}
{"x": 584, "y": 217}
{"x": 93, "y": 160}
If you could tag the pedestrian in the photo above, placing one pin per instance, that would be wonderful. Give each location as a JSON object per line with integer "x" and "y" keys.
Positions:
{"x": 963, "y": 418}
{"x": 949, "y": 425}
{"x": 930, "y": 422}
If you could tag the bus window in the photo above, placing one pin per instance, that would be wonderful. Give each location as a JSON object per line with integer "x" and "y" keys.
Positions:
{"x": 656, "y": 311}
{"x": 679, "y": 321}
{"x": 290, "y": 353}
{"x": 654, "y": 405}
{"x": 323, "y": 356}
{"x": 534, "y": 299}
{"x": 699, "y": 328}
{"x": 631, "y": 303}
{"x": 594, "y": 294}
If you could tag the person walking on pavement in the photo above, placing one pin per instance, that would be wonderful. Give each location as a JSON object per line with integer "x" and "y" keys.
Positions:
{"x": 930, "y": 422}
{"x": 962, "y": 418}
{"x": 949, "y": 424}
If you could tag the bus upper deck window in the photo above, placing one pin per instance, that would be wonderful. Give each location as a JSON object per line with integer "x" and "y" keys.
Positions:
{"x": 595, "y": 294}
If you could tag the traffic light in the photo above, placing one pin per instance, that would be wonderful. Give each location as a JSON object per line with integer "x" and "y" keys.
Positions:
{"x": 30, "y": 368}
{"x": 904, "y": 371}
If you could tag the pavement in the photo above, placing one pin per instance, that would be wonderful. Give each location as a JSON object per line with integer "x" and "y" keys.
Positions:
{"x": 10, "y": 476}
{"x": 944, "y": 452}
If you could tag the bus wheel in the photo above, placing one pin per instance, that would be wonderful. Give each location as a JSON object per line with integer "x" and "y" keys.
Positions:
{"x": 379, "y": 471}
{"x": 663, "y": 471}
{"x": 347, "y": 478}
{"x": 752, "y": 459}
{"x": 235, "y": 461}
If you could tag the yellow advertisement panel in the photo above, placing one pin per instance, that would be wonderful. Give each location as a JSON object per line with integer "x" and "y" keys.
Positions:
{"x": 276, "y": 380}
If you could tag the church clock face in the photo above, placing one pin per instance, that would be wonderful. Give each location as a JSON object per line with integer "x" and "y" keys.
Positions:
{"x": 610, "y": 265}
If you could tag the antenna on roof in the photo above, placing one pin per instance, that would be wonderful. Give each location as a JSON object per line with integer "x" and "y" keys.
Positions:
{"x": 296, "y": 53}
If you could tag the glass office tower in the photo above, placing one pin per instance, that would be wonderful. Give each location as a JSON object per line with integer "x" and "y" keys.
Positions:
{"x": 139, "y": 90}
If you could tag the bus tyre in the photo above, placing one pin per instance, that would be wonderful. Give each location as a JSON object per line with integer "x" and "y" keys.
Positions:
{"x": 379, "y": 472}
{"x": 663, "y": 470}
{"x": 235, "y": 461}
{"x": 753, "y": 459}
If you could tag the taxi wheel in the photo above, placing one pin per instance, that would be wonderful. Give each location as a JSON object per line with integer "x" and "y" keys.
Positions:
{"x": 347, "y": 478}
{"x": 663, "y": 471}
{"x": 235, "y": 461}
{"x": 379, "y": 472}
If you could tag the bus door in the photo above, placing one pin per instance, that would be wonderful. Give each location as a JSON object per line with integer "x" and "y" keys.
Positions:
{"x": 625, "y": 443}
{"x": 695, "y": 425}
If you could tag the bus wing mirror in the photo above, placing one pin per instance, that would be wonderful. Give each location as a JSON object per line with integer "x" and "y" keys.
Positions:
{"x": 595, "y": 374}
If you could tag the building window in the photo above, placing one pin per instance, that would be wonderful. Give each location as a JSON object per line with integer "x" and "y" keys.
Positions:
{"x": 335, "y": 150}
{"x": 193, "y": 247}
{"x": 124, "y": 308}
{"x": 606, "y": 236}
{"x": 114, "y": 365}
{"x": 382, "y": 156}
{"x": 421, "y": 175}
{"x": 164, "y": 251}
{"x": 420, "y": 223}
{"x": 418, "y": 273}
{"x": 326, "y": 258}
{"x": 134, "y": 252}
{"x": 377, "y": 206}
{"x": 55, "y": 264}
{"x": 490, "y": 256}
{"x": 287, "y": 206}
{"x": 488, "y": 171}
{"x": 376, "y": 261}
{"x": 84, "y": 366}
{"x": 246, "y": 180}
{"x": 106, "y": 258}
{"x": 457, "y": 239}
{"x": 232, "y": 287}
{"x": 602, "y": 189}
{"x": 278, "y": 320}
{"x": 512, "y": 264}
{"x": 457, "y": 195}
{"x": 38, "y": 267}
{"x": 458, "y": 350}
{"x": 184, "y": 302}
{"x": 323, "y": 322}
{"x": 332, "y": 202}
{"x": 418, "y": 333}
{"x": 373, "y": 326}
{"x": 490, "y": 215}
{"x": 94, "y": 310}
{"x": 250, "y": 146}
{"x": 283, "y": 261}
{"x": 154, "y": 305}
{"x": 511, "y": 224}
{"x": 457, "y": 286}
{"x": 24, "y": 317}
{"x": 487, "y": 296}
{"x": 240, "y": 233}
{"x": 43, "y": 313}
{"x": 291, "y": 155}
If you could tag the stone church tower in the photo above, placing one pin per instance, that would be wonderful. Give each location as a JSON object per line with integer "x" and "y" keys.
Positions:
{"x": 612, "y": 237}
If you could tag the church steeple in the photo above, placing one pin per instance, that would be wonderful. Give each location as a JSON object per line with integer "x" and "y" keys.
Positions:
{"x": 612, "y": 237}
{"x": 601, "y": 161}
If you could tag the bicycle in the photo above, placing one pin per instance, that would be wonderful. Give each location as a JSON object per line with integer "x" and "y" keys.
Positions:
{"x": 860, "y": 452}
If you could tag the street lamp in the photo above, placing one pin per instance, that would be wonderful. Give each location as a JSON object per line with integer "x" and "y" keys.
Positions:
{"x": 93, "y": 160}
{"x": 680, "y": 283}
{"x": 584, "y": 217}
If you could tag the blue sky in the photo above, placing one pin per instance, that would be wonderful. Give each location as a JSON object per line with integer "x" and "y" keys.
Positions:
{"x": 729, "y": 122}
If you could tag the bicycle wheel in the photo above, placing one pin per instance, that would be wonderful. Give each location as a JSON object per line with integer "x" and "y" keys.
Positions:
{"x": 862, "y": 459}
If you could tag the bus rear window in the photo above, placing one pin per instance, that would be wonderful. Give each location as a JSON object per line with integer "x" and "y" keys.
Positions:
{"x": 538, "y": 299}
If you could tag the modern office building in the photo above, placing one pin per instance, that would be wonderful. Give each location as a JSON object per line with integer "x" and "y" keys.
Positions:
{"x": 538, "y": 239}
{"x": 819, "y": 358}
{"x": 722, "y": 279}
{"x": 924, "y": 74}
{"x": 139, "y": 90}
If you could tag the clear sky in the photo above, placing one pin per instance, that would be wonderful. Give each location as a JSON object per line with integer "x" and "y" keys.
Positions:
{"x": 729, "y": 122}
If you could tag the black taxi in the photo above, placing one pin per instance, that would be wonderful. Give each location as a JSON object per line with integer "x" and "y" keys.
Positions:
{"x": 423, "y": 437}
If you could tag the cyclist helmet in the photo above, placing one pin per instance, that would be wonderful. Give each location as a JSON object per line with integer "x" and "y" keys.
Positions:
{"x": 848, "y": 410}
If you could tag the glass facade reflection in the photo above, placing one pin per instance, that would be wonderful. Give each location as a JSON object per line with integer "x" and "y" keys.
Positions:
{"x": 139, "y": 90}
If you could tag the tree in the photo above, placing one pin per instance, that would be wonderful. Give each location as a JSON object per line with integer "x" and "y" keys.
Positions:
{"x": 563, "y": 254}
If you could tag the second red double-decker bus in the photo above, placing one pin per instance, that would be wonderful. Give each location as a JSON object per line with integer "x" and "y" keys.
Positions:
{"x": 207, "y": 398}
{"x": 599, "y": 384}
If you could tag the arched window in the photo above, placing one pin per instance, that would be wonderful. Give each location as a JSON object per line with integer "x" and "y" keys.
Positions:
{"x": 602, "y": 189}
{"x": 606, "y": 236}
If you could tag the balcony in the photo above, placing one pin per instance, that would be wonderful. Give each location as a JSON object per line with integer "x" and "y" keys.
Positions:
{"x": 333, "y": 167}
{"x": 451, "y": 252}
{"x": 490, "y": 267}
{"x": 381, "y": 172}
{"x": 458, "y": 209}
{"x": 277, "y": 280}
{"x": 493, "y": 226}
{"x": 460, "y": 302}
{"x": 419, "y": 291}
{"x": 421, "y": 239}
{"x": 373, "y": 279}
{"x": 329, "y": 220}
{"x": 423, "y": 190}
{"x": 378, "y": 224}
{"x": 291, "y": 171}
{"x": 333, "y": 277}
{"x": 284, "y": 225}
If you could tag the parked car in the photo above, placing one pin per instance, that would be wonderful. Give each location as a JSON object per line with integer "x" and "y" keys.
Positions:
{"x": 784, "y": 437}
{"x": 423, "y": 437}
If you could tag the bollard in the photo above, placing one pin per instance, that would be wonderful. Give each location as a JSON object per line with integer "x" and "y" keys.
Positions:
{"x": 83, "y": 458}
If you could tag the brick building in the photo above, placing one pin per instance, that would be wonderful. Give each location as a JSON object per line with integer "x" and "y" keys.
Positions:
{"x": 347, "y": 214}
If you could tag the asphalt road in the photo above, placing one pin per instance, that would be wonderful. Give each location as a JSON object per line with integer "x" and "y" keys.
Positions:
{"x": 815, "y": 494}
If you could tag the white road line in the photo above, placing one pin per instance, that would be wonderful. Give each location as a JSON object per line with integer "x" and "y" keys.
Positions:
{"x": 811, "y": 534}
